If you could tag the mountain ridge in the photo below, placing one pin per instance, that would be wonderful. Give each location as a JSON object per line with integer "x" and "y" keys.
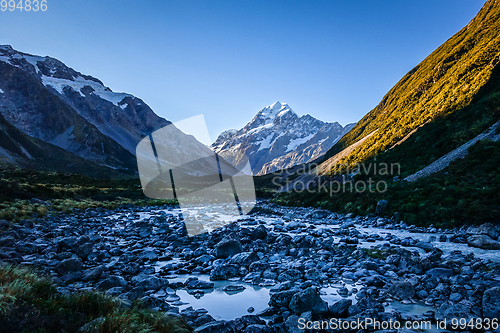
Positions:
{"x": 277, "y": 138}
{"x": 52, "y": 102}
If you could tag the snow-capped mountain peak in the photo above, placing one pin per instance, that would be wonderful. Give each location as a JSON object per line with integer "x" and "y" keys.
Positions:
{"x": 58, "y": 76}
{"x": 277, "y": 133}
{"x": 272, "y": 111}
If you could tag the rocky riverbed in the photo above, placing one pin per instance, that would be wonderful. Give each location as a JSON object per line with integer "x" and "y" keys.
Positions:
{"x": 263, "y": 272}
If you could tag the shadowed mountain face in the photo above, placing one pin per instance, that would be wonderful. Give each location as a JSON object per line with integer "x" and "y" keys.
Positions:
{"x": 49, "y": 101}
{"x": 277, "y": 139}
{"x": 18, "y": 148}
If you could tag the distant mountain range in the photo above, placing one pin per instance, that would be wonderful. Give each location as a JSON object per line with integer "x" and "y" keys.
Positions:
{"x": 55, "y": 118}
{"x": 277, "y": 138}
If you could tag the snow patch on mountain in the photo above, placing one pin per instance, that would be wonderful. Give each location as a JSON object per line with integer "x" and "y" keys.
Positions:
{"x": 277, "y": 138}
{"x": 79, "y": 83}
{"x": 296, "y": 142}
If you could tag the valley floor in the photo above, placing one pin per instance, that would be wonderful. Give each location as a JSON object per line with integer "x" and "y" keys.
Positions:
{"x": 261, "y": 273}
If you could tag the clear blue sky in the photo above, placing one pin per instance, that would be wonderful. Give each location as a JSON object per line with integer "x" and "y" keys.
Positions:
{"x": 228, "y": 59}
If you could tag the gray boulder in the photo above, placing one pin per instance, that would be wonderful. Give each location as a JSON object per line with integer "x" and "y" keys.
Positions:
{"x": 308, "y": 300}
{"x": 291, "y": 324}
{"x": 449, "y": 311}
{"x": 440, "y": 272}
{"x": 227, "y": 247}
{"x": 148, "y": 282}
{"x": 69, "y": 265}
{"x": 491, "y": 303}
{"x": 199, "y": 284}
{"x": 402, "y": 290}
{"x": 281, "y": 299}
{"x": 111, "y": 282}
{"x": 489, "y": 230}
{"x": 244, "y": 258}
{"x": 483, "y": 242}
{"x": 92, "y": 274}
{"x": 340, "y": 308}
{"x": 223, "y": 272}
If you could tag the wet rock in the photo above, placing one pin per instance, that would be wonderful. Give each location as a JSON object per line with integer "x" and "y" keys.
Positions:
{"x": 223, "y": 272}
{"x": 455, "y": 297}
{"x": 84, "y": 250}
{"x": 425, "y": 246}
{"x": 281, "y": 299}
{"x": 440, "y": 272}
{"x": 291, "y": 324}
{"x": 402, "y": 290}
{"x": 244, "y": 258}
{"x": 313, "y": 274}
{"x": 148, "y": 282}
{"x": 491, "y": 303}
{"x": 110, "y": 282}
{"x": 92, "y": 274}
{"x": 258, "y": 266}
{"x": 233, "y": 288}
{"x": 203, "y": 319}
{"x": 449, "y": 311}
{"x": 151, "y": 255}
{"x": 130, "y": 268}
{"x": 376, "y": 281}
{"x": 28, "y": 248}
{"x": 366, "y": 303}
{"x": 228, "y": 247}
{"x": 143, "y": 229}
{"x": 308, "y": 300}
{"x": 282, "y": 286}
{"x": 433, "y": 256}
{"x": 393, "y": 259}
{"x": 489, "y": 230}
{"x": 214, "y": 327}
{"x": 257, "y": 329}
{"x": 69, "y": 265}
{"x": 259, "y": 233}
{"x": 200, "y": 284}
{"x": 483, "y": 242}
{"x": 319, "y": 214}
{"x": 7, "y": 241}
{"x": 340, "y": 308}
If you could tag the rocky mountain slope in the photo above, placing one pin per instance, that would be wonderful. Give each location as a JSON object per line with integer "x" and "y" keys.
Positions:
{"x": 450, "y": 98}
{"x": 48, "y": 101}
{"x": 277, "y": 138}
{"x": 18, "y": 148}
{"x": 451, "y": 79}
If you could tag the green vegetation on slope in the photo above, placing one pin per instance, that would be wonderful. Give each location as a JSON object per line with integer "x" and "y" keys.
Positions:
{"x": 445, "y": 82}
{"x": 466, "y": 192}
{"x": 455, "y": 95}
{"x": 30, "y": 303}
{"x": 65, "y": 192}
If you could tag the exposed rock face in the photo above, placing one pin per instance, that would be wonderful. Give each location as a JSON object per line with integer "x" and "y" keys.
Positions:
{"x": 277, "y": 139}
